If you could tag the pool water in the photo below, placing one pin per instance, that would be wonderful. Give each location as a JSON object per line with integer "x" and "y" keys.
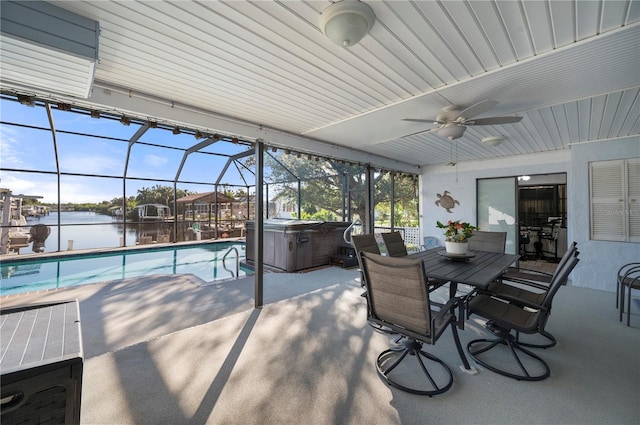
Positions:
{"x": 204, "y": 261}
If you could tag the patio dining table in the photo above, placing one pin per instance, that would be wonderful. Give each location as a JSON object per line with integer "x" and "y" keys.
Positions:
{"x": 478, "y": 269}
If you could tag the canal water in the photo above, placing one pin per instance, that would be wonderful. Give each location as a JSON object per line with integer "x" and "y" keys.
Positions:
{"x": 87, "y": 230}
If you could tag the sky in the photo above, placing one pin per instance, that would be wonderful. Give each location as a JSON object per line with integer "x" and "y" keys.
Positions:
{"x": 32, "y": 149}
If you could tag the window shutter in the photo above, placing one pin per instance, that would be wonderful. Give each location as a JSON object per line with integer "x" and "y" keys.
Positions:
{"x": 633, "y": 203}
{"x": 607, "y": 200}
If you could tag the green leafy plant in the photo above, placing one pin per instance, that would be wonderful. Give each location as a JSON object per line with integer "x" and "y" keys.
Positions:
{"x": 456, "y": 231}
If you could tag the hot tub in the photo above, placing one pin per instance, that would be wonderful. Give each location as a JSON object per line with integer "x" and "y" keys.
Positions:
{"x": 293, "y": 245}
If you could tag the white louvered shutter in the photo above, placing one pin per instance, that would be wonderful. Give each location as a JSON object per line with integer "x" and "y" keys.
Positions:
{"x": 607, "y": 200}
{"x": 633, "y": 198}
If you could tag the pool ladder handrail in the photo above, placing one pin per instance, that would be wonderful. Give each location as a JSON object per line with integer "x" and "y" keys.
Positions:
{"x": 347, "y": 232}
{"x": 224, "y": 265}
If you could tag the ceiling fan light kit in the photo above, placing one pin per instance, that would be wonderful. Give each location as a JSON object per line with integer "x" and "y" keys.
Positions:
{"x": 346, "y": 22}
{"x": 492, "y": 141}
{"x": 451, "y": 131}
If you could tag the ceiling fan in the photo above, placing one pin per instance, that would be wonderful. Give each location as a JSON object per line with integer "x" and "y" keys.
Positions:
{"x": 454, "y": 121}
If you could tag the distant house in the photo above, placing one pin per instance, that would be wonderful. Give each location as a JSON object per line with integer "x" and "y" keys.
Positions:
{"x": 116, "y": 211}
{"x": 153, "y": 212}
{"x": 281, "y": 206}
{"x": 201, "y": 206}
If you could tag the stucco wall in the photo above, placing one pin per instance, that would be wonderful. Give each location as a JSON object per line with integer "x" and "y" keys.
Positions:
{"x": 599, "y": 260}
{"x": 460, "y": 181}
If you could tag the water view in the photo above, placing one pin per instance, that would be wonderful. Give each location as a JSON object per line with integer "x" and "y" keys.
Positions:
{"x": 87, "y": 230}
{"x": 212, "y": 261}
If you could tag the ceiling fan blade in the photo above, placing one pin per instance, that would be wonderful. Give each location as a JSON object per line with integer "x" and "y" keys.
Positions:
{"x": 421, "y": 120}
{"x": 494, "y": 121}
{"x": 419, "y": 132}
{"x": 478, "y": 108}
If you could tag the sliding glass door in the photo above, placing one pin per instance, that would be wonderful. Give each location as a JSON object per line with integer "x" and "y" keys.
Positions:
{"x": 497, "y": 208}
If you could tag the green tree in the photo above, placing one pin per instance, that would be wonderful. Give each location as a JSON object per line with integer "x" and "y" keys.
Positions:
{"x": 159, "y": 195}
{"x": 322, "y": 182}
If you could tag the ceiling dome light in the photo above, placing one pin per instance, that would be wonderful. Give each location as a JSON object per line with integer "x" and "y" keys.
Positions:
{"x": 451, "y": 131}
{"x": 493, "y": 141}
{"x": 346, "y": 22}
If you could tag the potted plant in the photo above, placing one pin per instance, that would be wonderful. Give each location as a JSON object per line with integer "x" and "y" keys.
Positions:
{"x": 456, "y": 236}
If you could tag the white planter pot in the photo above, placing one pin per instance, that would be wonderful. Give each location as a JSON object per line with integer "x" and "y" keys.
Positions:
{"x": 456, "y": 247}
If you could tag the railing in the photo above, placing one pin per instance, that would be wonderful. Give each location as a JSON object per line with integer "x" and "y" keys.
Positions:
{"x": 410, "y": 235}
{"x": 224, "y": 265}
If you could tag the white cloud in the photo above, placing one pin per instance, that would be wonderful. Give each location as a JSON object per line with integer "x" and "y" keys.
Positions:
{"x": 73, "y": 192}
{"x": 155, "y": 160}
{"x": 98, "y": 163}
{"x": 9, "y": 152}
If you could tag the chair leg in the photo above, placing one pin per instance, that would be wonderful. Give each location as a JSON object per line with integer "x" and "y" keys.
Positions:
{"x": 629, "y": 308}
{"x": 456, "y": 339}
{"x": 622, "y": 300}
{"x": 388, "y": 360}
{"x": 480, "y": 346}
{"x": 547, "y": 335}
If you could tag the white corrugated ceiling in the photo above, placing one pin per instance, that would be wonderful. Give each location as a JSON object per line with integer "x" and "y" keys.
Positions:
{"x": 571, "y": 69}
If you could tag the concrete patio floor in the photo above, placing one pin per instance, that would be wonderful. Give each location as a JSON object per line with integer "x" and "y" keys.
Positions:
{"x": 178, "y": 350}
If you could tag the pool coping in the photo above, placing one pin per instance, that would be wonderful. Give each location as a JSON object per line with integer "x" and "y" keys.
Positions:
{"x": 12, "y": 259}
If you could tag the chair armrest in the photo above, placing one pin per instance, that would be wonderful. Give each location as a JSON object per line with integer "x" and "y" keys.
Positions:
{"x": 445, "y": 308}
{"x": 518, "y": 301}
{"x": 526, "y": 282}
{"x": 534, "y": 271}
{"x": 527, "y": 274}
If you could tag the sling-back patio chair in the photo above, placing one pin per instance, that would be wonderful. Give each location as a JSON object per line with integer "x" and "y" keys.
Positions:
{"x": 488, "y": 241}
{"x": 395, "y": 244}
{"x": 399, "y": 300}
{"x": 504, "y": 317}
{"x": 528, "y": 289}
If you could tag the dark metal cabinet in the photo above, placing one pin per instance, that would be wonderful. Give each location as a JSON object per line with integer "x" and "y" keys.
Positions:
{"x": 41, "y": 363}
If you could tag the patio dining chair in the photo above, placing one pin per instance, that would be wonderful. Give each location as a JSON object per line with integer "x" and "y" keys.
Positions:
{"x": 362, "y": 244}
{"x": 396, "y": 248}
{"x": 398, "y": 299}
{"x": 528, "y": 289}
{"x": 488, "y": 241}
{"x": 395, "y": 244}
{"x": 504, "y": 317}
{"x": 520, "y": 274}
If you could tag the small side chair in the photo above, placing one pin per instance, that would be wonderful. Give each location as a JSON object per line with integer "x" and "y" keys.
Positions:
{"x": 628, "y": 277}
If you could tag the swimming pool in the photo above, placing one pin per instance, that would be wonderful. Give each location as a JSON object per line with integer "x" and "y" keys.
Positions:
{"x": 202, "y": 260}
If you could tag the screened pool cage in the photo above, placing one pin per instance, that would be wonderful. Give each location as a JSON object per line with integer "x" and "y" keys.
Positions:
{"x": 161, "y": 182}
